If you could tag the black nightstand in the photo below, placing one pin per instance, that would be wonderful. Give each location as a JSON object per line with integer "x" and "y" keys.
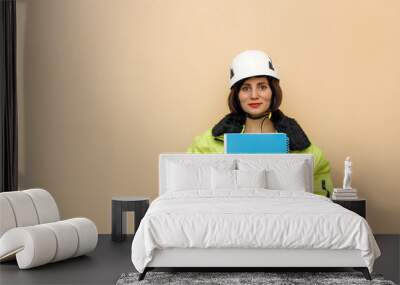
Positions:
{"x": 358, "y": 206}
{"x": 121, "y": 205}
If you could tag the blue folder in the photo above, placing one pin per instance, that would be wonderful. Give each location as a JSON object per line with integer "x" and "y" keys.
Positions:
{"x": 256, "y": 143}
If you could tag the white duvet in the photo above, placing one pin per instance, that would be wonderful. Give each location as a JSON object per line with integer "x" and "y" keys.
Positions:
{"x": 251, "y": 218}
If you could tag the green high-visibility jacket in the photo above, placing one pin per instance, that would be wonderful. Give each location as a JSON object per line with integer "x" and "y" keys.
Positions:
{"x": 207, "y": 143}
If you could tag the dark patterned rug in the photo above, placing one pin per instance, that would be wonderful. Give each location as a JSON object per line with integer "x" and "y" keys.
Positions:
{"x": 225, "y": 278}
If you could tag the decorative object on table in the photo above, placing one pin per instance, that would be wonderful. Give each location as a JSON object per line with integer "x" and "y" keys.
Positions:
{"x": 31, "y": 230}
{"x": 358, "y": 205}
{"x": 347, "y": 192}
{"x": 347, "y": 174}
{"x": 244, "y": 278}
{"x": 121, "y": 205}
{"x": 256, "y": 143}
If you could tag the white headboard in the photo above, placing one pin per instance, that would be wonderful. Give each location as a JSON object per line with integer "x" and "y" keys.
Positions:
{"x": 164, "y": 158}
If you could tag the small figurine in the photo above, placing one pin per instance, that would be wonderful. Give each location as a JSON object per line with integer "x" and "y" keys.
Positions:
{"x": 347, "y": 174}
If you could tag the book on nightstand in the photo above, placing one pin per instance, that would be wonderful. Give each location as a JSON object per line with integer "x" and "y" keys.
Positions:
{"x": 344, "y": 194}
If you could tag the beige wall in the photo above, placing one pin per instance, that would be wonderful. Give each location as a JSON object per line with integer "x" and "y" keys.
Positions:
{"x": 107, "y": 85}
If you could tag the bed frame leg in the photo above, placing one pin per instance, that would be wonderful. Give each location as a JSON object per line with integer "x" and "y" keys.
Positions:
{"x": 364, "y": 271}
{"x": 143, "y": 274}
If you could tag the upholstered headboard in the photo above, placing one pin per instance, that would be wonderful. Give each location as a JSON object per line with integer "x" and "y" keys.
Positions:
{"x": 210, "y": 159}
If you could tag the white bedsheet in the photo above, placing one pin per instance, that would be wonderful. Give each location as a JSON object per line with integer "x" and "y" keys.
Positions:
{"x": 251, "y": 218}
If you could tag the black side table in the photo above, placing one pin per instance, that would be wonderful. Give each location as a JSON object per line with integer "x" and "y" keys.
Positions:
{"x": 358, "y": 206}
{"x": 121, "y": 205}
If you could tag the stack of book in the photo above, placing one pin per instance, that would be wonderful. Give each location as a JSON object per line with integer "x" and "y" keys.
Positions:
{"x": 344, "y": 194}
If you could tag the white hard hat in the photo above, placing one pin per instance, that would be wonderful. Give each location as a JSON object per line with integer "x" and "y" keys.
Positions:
{"x": 251, "y": 63}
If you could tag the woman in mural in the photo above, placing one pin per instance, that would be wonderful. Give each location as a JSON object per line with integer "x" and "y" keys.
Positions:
{"x": 254, "y": 101}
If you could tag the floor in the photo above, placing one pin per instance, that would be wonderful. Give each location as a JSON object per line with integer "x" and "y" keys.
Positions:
{"x": 111, "y": 259}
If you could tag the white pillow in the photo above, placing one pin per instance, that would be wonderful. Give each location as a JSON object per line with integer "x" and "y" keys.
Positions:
{"x": 237, "y": 179}
{"x": 281, "y": 174}
{"x": 189, "y": 175}
{"x": 251, "y": 178}
{"x": 288, "y": 179}
{"x": 223, "y": 179}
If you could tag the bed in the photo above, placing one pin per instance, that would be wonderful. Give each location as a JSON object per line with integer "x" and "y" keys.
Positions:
{"x": 247, "y": 210}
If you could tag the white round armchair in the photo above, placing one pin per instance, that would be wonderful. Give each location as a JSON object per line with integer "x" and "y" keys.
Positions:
{"x": 31, "y": 230}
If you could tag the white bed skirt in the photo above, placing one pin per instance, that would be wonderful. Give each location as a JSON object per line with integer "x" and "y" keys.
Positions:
{"x": 193, "y": 257}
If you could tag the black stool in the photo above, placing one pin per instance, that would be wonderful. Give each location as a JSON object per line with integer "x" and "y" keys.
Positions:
{"x": 121, "y": 205}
